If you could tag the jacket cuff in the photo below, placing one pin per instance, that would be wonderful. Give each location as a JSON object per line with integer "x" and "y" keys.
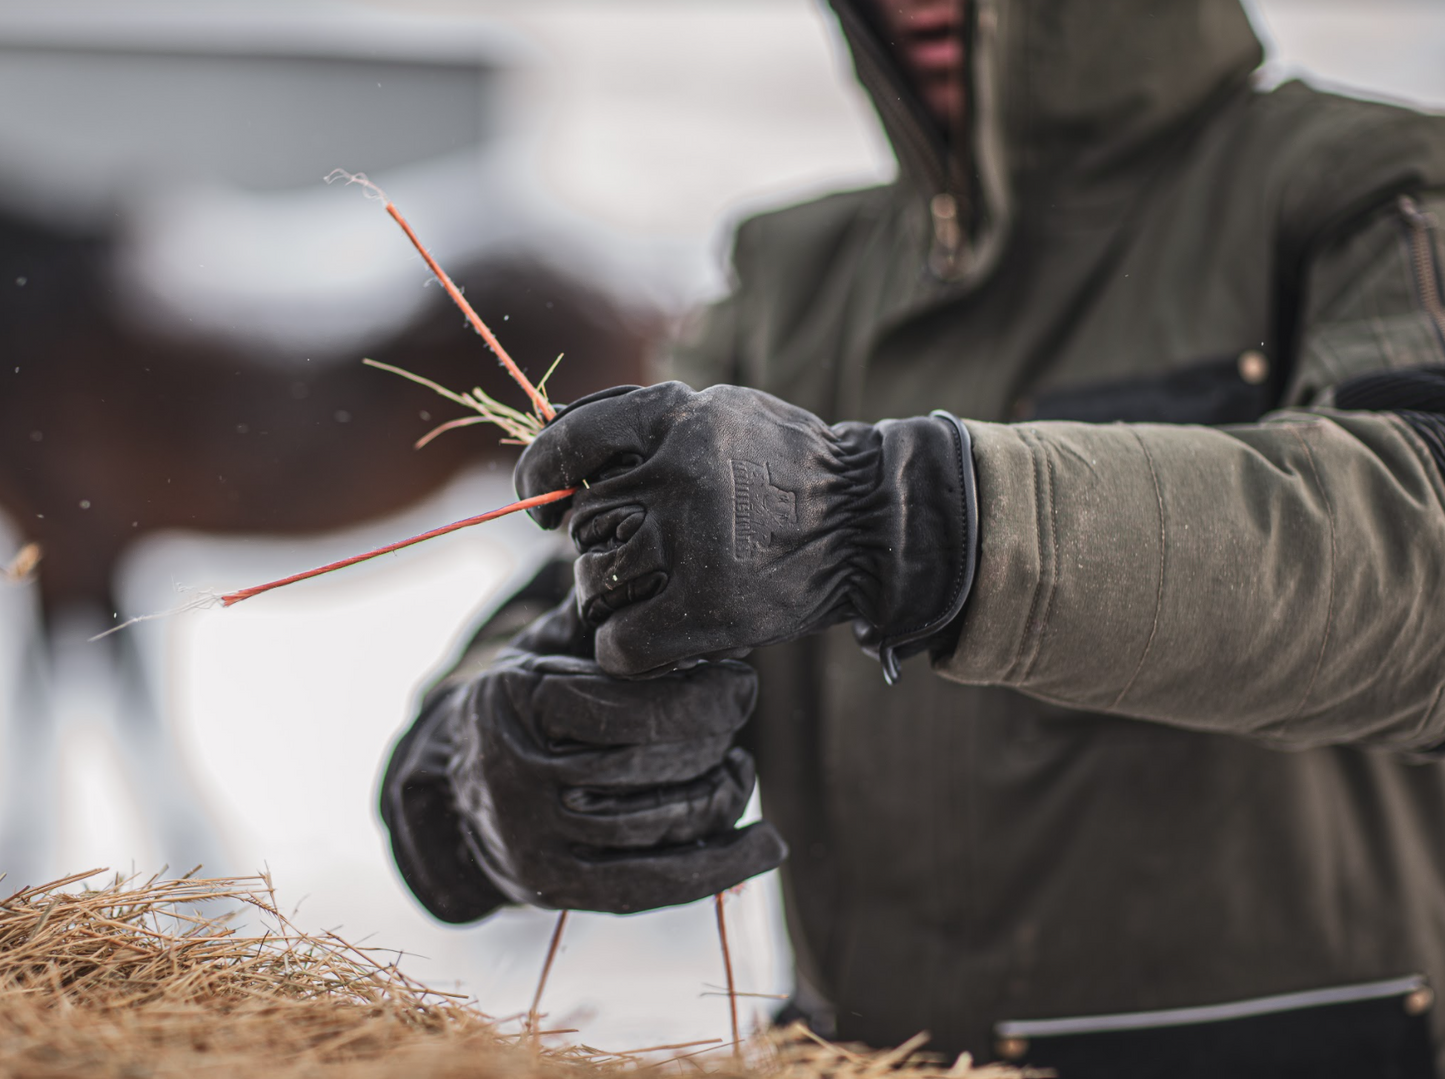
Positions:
{"x": 933, "y": 544}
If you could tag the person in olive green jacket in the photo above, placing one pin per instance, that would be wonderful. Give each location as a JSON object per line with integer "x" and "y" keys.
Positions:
{"x": 1170, "y": 800}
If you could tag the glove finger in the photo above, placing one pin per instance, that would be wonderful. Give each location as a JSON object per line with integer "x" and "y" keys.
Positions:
{"x": 659, "y": 816}
{"x": 630, "y": 767}
{"x": 709, "y": 700}
{"x": 628, "y": 882}
{"x": 666, "y": 631}
{"x": 606, "y": 528}
{"x": 559, "y": 632}
{"x": 589, "y": 436}
{"x": 611, "y": 578}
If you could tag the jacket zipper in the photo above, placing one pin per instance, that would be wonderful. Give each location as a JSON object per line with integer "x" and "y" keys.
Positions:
{"x": 951, "y": 209}
{"x": 903, "y": 115}
{"x": 1427, "y": 269}
{"x": 943, "y": 208}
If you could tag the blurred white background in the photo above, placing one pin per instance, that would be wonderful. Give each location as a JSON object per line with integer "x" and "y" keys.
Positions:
{"x": 634, "y": 132}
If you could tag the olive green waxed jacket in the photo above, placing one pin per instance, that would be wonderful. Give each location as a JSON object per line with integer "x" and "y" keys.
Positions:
{"x": 1179, "y": 751}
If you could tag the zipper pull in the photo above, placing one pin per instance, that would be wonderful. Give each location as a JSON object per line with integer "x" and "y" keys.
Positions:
{"x": 1412, "y": 213}
{"x": 947, "y": 234}
{"x": 1425, "y": 261}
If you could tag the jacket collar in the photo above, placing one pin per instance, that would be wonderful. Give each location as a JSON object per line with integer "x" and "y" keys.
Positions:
{"x": 1063, "y": 96}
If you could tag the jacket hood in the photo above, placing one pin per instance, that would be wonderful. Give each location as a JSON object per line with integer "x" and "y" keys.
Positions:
{"x": 1060, "y": 93}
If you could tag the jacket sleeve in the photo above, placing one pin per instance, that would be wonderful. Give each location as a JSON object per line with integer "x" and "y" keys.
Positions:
{"x": 1283, "y": 580}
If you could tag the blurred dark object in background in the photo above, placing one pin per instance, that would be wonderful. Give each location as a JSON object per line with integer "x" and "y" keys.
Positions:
{"x": 184, "y": 305}
{"x": 109, "y": 431}
{"x": 179, "y": 350}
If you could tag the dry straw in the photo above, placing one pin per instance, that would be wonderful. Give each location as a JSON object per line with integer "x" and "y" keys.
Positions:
{"x": 21, "y": 568}
{"x": 141, "y": 978}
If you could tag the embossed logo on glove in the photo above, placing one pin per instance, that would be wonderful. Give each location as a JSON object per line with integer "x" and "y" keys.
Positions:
{"x": 759, "y": 509}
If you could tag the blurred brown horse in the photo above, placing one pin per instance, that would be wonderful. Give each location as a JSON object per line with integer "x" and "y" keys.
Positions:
{"x": 109, "y": 431}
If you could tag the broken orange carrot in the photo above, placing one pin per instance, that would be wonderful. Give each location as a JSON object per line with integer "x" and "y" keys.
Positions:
{"x": 231, "y": 598}
{"x": 540, "y": 404}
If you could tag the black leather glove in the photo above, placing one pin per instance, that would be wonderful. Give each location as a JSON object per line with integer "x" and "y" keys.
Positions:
{"x": 712, "y": 523}
{"x": 572, "y": 789}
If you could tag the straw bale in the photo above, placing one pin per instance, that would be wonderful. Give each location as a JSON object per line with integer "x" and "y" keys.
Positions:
{"x": 146, "y": 979}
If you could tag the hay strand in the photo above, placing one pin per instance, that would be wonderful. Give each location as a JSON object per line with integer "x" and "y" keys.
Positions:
{"x": 22, "y": 567}
{"x": 722, "y": 936}
{"x": 533, "y": 1014}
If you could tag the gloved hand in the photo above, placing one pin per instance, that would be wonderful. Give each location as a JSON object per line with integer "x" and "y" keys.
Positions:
{"x": 712, "y": 523}
{"x": 575, "y": 790}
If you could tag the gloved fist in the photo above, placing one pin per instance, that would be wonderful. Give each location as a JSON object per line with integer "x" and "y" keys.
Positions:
{"x": 712, "y": 523}
{"x": 576, "y": 790}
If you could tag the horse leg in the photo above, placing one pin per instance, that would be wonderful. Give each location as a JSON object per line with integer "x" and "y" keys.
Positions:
{"x": 28, "y": 745}
{"x": 171, "y": 798}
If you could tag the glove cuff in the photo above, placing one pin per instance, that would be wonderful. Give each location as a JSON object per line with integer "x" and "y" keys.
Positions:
{"x": 932, "y": 541}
